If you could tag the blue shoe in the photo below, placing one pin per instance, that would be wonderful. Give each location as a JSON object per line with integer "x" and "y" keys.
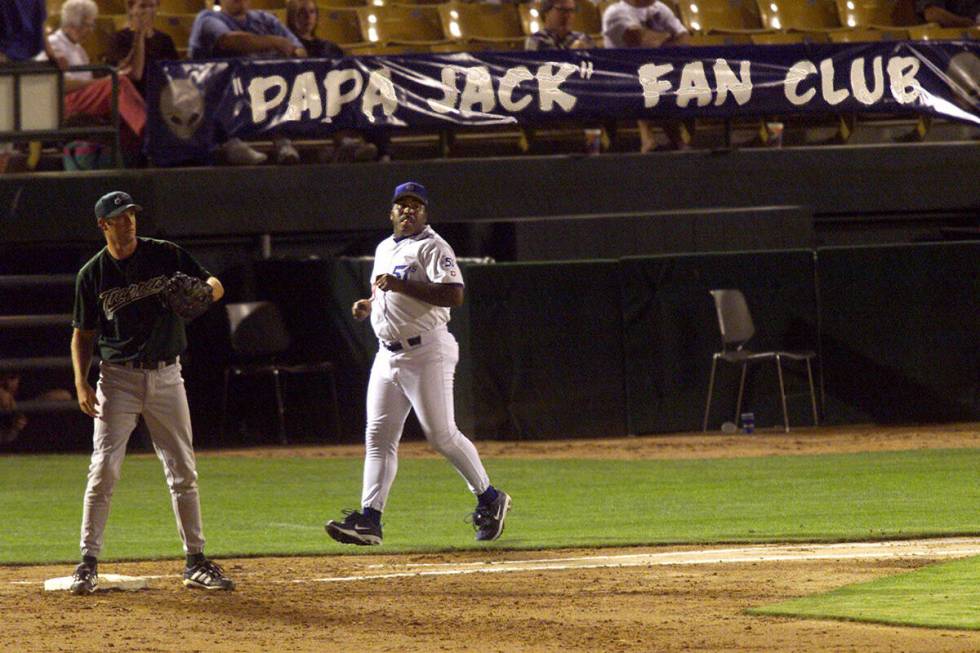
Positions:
{"x": 488, "y": 520}
{"x": 354, "y": 529}
{"x": 207, "y": 575}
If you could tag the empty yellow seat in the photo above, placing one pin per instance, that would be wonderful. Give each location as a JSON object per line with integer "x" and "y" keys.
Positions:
{"x": 733, "y": 16}
{"x": 719, "y": 39}
{"x": 803, "y": 15}
{"x": 178, "y": 27}
{"x": 182, "y": 6}
{"x": 876, "y": 13}
{"x": 342, "y": 26}
{"x": 401, "y": 25}
{"x": 267, "y": 5}
{"x": 865, "y": 35}
{"x": 788, "y": 38}
{"x": 499, "y": 25}
{"x": 342, "y": 3}
{"x": 107, "y": 7}
{"x": 97, "y": 43}
{"x": 935, "y": 33}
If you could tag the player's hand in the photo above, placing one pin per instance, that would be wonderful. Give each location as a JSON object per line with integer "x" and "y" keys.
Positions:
{"x": 87, "y": 400}
{"x": 389, "y": 282}
{"x": 361, "y": 309}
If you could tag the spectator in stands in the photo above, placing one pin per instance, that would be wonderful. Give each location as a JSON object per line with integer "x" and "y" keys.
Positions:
{"x": 348, "y": 146}
{"x": 557, "y": 33}
{"x": 86, "y": 95}
{"x": 236, "y": 31}
{"x": 22, "y": 31}
{"x": 12, "y": 423}
{"x": 137, "y": 45}
{"x": 950, "y": 13}
{"x": 646, "y": 24}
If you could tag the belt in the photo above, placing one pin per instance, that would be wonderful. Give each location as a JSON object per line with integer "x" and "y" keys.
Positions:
{"x": 149, "y": 365}
{"x": 398, "y": 346}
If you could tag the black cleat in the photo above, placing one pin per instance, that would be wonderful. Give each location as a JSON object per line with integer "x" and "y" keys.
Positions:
{"x": 207, "y": 575}
{"x": 354, "y": 529}
{"x": 84, "y": 580}
{"x": 489, "y": 520}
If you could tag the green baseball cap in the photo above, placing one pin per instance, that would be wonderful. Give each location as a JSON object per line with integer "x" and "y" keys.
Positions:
{"x": 112, "y": 204}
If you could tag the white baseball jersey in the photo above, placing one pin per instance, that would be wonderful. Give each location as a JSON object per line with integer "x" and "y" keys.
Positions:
{"x": 422, "y": 257}
{"x": 621, "y": 16}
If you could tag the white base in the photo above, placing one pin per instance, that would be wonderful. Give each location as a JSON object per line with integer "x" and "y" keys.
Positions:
{"x": 106, "y": 582}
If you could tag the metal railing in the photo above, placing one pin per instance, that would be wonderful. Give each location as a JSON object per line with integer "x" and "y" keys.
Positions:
{"x": 18, "y": 71}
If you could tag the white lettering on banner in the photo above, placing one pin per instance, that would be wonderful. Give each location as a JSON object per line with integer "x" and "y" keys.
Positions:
{"x": 860, "y": 83}
{"x": 478, "y": 91}
{"x": 258, "y": 88}
{"x": 905, "y": 87}
{"x": 726, "y": 81}
{"x": 450, "y": 92}
{"x": 304, "y": 98}
{"x": 509, "y": 83}
{"x": 653, "y": 86}
{"x": 380, "y": 92}
{"x": 549, "y": 92}
{"x": 796, "y": 74}
{"x": 336, "y": 98}
{"x": 693, "y": 85}
{"x": 833, "y": 96}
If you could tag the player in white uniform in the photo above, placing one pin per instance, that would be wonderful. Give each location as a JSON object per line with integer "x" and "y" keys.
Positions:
{"x": 416, "y": 281}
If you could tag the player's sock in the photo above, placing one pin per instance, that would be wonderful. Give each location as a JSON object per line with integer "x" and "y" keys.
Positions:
{"x": 195, "y": 558}
{"x": 90, "y": 561}
{"x": 373, "y": 515}
{"x": 488, "y": 497}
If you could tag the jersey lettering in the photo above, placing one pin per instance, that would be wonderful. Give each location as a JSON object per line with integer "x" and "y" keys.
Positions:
{"x": 116, "y": 298}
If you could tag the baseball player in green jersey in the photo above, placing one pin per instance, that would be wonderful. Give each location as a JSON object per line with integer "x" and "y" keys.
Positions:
{"x": 117, "y": 306}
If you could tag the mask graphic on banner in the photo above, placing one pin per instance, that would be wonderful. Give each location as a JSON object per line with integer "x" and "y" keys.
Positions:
{"x": 964, "y": 78}
{"x": 182, "y": 107}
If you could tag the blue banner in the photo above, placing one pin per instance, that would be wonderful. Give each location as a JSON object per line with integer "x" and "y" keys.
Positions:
{"x": 193, "y": 106}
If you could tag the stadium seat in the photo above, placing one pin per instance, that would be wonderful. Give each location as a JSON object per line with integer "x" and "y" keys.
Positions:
{"x": 393, "y": 25}
{"x": 109, "y": 7}
{"x": 267, "y": 5}
{"x": 797, "y": 15}
{"x": 876, "y": 13}
{"x": 788, "y": 38}
{"x": 697, "y": 40}
{"x": 481, "y": 24}
{"x": 737, "y": 329}
{"x": 336, "y": 4}
{"x": 867, "y": 35}
{"x": 97, "y": 43}
{"x": 935, "y": 33}
{"x": 182, "y": 6}
{"x": 731, "y": 16}
{"x": 587, "y": 18}
{"x": 178, "y": 27}
{"x": 340, "y": 25}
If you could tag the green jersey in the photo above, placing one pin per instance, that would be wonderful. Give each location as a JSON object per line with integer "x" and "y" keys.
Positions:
{"x": 118, "y": 299}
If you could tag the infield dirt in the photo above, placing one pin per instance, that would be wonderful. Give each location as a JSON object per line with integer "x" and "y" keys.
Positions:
{"x": 278, "y": 607}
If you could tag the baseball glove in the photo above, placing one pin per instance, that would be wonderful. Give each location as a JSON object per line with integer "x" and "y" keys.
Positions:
{"x": 186, "y": 296}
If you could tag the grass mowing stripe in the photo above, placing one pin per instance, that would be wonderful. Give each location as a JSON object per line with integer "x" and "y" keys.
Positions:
{"x": 557, "y": 503}
{"x": 944, "y": 595}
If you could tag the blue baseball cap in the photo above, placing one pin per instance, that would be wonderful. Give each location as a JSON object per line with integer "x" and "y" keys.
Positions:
{"x": 411, "y": 189}
{"x": 112, "y": 204}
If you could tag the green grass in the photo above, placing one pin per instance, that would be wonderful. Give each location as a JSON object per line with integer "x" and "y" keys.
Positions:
{"x": 940, "y": 596}
{"x": 277, "y": 506}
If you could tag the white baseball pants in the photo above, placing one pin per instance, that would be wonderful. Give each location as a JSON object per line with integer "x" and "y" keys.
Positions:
{"x": 419, "y": 377}
{"x": 159, "y": 395}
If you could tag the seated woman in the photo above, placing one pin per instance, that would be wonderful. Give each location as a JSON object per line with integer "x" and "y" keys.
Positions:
{"x": 348, "y": 145}
{"x": 137, "y": 45}
{"x": 85, "y": 94}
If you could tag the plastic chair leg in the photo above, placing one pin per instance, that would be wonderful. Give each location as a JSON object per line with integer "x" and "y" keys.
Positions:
{"x": 741, "y": 393}
{"x": 813, "y": 394}
{"x": 711, "y": 387}
{"x": 280, "y": 407}
{"x": 782, "y": 392}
